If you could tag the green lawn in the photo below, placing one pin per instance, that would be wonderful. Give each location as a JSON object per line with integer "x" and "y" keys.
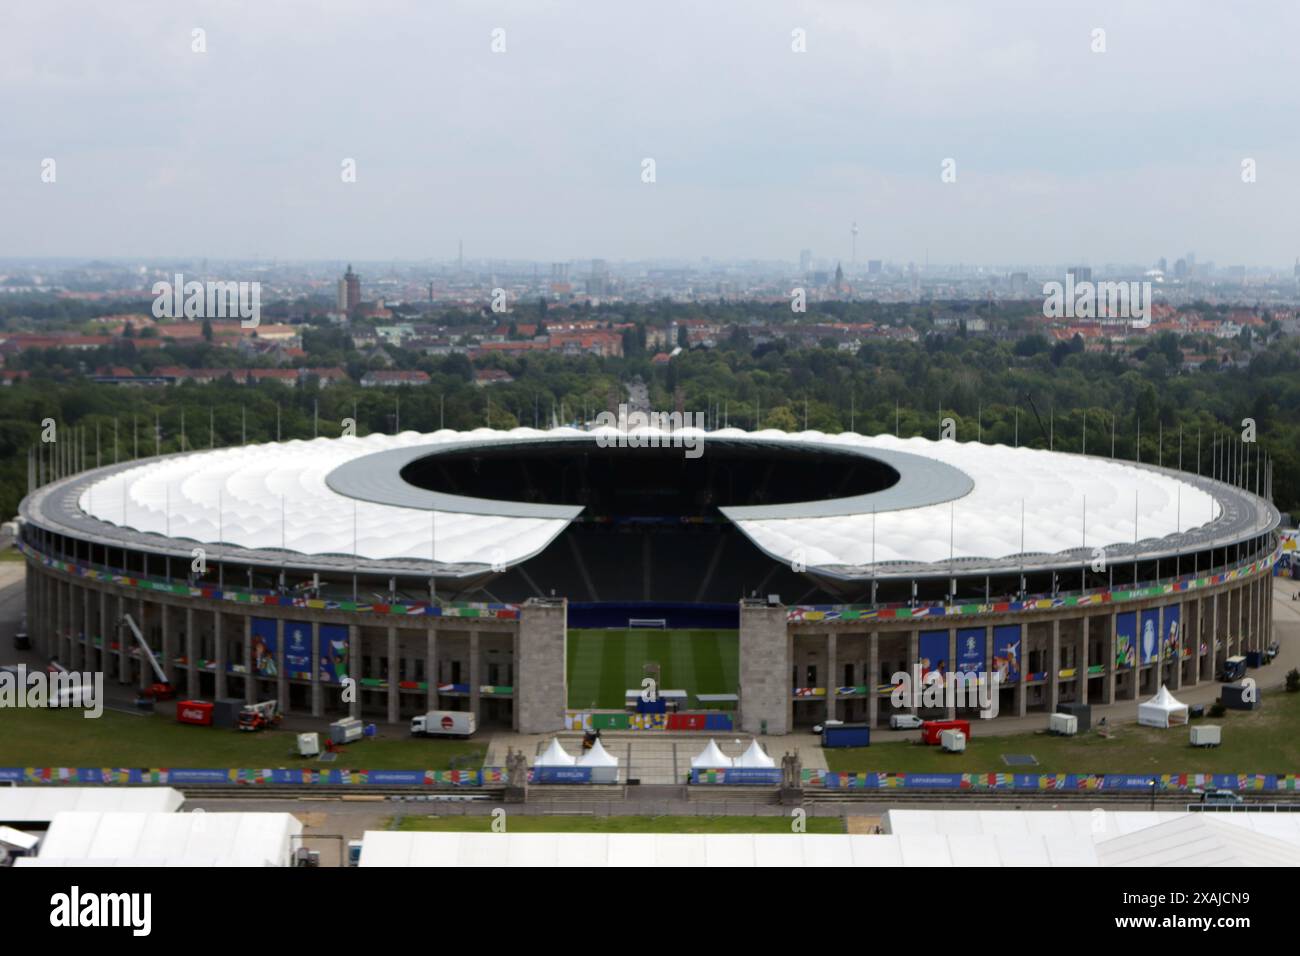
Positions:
{"x": 603, "y": 665}
{"x": 63, "y": 738}
{"x": 1262, "y": 741}
{"x": 519, "y": 823}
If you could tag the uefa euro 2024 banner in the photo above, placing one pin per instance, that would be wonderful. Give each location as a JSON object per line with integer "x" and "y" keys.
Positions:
{"x": 1150, "y": 645}
{"x": 264, "y": 644}
{"x": 334, "y": 652}
{"x": 970, "y": 650}
{"x": 1125, "y": 640}
{"x": 1006, "y": 653}
{"x": 297, "y": 650}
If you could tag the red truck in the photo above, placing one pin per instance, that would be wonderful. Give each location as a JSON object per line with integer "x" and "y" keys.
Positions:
{"x": 931, "y": 729}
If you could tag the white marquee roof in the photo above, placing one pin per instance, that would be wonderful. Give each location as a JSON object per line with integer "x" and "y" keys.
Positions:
{"x": 246, "y": 839}
{"x": 276, "y": 494}
{"x": 40, "y": 804}
{"x": 391, "y": 848}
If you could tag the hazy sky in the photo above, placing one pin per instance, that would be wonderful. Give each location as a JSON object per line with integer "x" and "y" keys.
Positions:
{"x": 1062, "y": 154}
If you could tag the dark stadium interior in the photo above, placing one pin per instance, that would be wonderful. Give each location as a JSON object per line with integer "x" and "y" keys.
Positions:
{"x": 703, "y": 563}
{"x": 616, "y": 483}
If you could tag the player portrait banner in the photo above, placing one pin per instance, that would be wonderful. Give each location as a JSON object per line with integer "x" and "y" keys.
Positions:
{"x": 1125, "y": 640}
{"x": 933, "y": 648}
{"x": 264, "y": 645}
{"x": 1006, "y": 653}
{"x": 334, "y": 651}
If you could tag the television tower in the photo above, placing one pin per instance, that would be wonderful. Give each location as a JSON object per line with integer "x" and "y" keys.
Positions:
{"x": 854, "y": 231}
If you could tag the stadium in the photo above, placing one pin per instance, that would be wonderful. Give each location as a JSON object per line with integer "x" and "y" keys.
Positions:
{"x": 534, "y": 577}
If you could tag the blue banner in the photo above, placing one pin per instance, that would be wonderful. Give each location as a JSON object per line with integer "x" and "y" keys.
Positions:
{"x": 264, "y": 642}
{"x": 970, "y": 650}
{"x": 561, "y": 775}
{"x": 1125, "y": 640}
{"x": 1173, "y": 632}
{"x": 933, "y": 648}
{"x": 297, "y": 650}
{"x": 1006, "y": 653}
{"x": 334, "y": 652}
{"x": 1150, "y": 640}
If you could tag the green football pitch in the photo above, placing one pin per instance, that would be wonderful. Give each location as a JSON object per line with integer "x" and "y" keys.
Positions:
{"x": 604, "y": 665}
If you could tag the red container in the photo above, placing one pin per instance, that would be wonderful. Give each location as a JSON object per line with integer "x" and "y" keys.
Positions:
{"x": 687, "y": 721}
{"x": 931, "y": 729}
{"x": 198, "y": 712}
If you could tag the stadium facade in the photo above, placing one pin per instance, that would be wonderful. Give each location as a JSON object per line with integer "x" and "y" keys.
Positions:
{"x": 445, "y": 571}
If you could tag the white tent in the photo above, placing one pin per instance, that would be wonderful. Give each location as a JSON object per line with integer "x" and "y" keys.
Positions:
{"x": 555, "y": 756}
{"x": 597, "y": 756}
{"x": 1162, "y": 710}
{"x": 710, "y": 757}
{"x": 204, "y": 839}
{"x": 755, "y": 757}
{"x": 26, "y": 805}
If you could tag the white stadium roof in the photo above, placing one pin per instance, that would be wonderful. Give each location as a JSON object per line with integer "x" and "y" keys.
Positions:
{"x": 955, "y": 500}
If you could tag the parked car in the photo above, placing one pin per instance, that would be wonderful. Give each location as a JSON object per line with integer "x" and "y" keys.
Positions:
{"x": 1222, "y": 797}
{"x": 905, "y": 722}
{"x": 818, "y": 728}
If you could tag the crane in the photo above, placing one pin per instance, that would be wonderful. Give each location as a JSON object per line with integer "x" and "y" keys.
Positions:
{"x": 162, "y": 688}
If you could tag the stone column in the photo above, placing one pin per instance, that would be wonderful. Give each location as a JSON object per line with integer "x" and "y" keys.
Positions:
{"x": 1082, "y": 669}
{"x": 317, "y": 698}
{"x": 392, "y": 673}
{"x": 873, "y": 668}
{"x": 145, "y": 673}
{"x": 91, "y": 660}
{"x": 1054, "y": 676}
{"x": 913, "y": 659}
{"x": 1022, "y": 689}
{"x": 542, "y": 696}
{"x": 123, "y": 641}
{"x": 191, "y": 655}
{"x": 475, "y": 677}
{"x": 168, "y": 653}
{"x": 219, "y": 650}
{"x": 354, "y": 668}
{"x": 281, "y": 678}
{"x": 1111, "y": 670}
{"x": 250, "y": 682}
{"x": 105, "y": 635}
{"x": 431, "y": 670}
{"x": 832, "y": 662}
{"x": 952, "y": 668}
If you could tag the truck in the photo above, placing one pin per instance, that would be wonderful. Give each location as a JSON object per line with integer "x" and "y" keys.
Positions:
{"x": 1234, "y": 668}
{"x": 162, "y": 688}
{"x": 444, "y": 723}
{"x": 260, "y": 715}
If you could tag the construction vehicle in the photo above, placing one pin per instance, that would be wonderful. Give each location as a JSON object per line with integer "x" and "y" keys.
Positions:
{"x": 162, "y": 688}
{"x": 259, "y": 716}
